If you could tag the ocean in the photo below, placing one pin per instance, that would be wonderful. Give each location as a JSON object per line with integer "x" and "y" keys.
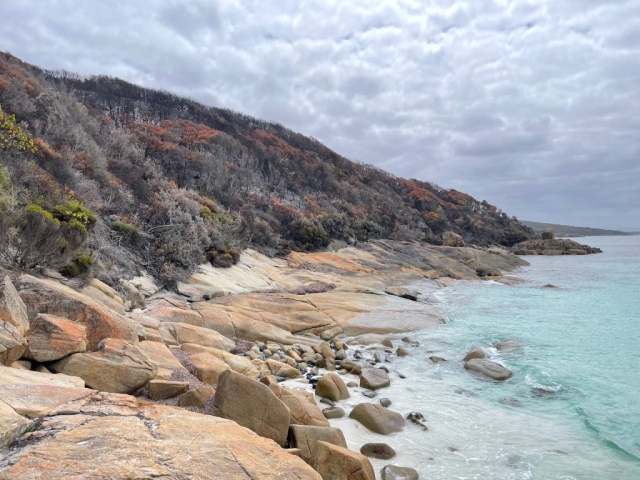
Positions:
{"x": 571, "y": 409}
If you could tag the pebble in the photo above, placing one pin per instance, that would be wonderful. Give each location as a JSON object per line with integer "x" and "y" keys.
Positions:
{"x": 369, "y": 394}
{"x": 326, "y": 401}
{"x": 385, "y": 402}
{"x": 333, "y": 412}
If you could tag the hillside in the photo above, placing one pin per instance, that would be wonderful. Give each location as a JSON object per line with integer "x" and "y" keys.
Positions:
{"x": 103, "y": 174}
{"x": 568, "y": 231}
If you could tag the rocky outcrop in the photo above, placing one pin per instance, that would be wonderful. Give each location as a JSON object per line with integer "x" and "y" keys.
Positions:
{"x": 553, "y": 246}
{"x": 51, "y": 338}
{"x": 331, "y": 387}
{"x": 377, "y": 418}
{"x": 487, "y": 368}
{"x": 92, "y": 438}
{"x": 48, "y": 296}
{"x": 337, "y": 463}
{"x": 252, "y": 405}
{"x": 114, "y": 366}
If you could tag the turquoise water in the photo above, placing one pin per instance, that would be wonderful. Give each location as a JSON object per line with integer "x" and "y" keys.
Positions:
{"x": 576, "y": 375}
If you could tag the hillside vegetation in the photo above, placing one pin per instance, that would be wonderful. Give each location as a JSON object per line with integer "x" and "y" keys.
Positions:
{"x": 100, "y": 173}
{"x": 569, "y": 231}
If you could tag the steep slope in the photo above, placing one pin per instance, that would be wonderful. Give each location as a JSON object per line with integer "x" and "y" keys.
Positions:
{"x": 130, "y": 177}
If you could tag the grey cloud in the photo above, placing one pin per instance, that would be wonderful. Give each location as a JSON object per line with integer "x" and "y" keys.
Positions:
{"x": 531, "y": 105}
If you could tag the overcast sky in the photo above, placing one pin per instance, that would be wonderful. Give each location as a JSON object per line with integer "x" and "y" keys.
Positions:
{"x": 531, "y": 105}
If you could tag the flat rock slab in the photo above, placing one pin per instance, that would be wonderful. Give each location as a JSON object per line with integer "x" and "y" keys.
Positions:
{"x": 12, "y": 425}
{"x": 162, "y": 389}
{"x": 12, "y": 343}
{"x": 374, "y": 378}
{"x": 157, "y": 442}
{"x": 377, "y": 418}
{"x": 35, "y": 394}
{"x": 487, "y": 368}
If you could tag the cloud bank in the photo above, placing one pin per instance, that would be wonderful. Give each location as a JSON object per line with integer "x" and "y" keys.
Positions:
{"x": 531, "y": 105}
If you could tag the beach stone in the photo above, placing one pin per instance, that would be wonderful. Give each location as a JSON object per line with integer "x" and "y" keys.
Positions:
{"x": 302, "y": 411}
{"x": 51, "y": 338}
{"x": 387, "y": 342}
{"x": 305, "y": 438}
{"x": 418, "y": 419}
{"x": 381, "y": 451}
{"x": 374, "y": 378}
{"x": 385, "y": 402}
{"x": 12, "y": 308}
{"x": 208, "y": 367}
{"x": 411, "y": 342}
{"x": 369, "y": 394}
{"x": 252, "y": 405}
{"x": 487, "y": 368}
{"x": 115, "y": 366}
{"x": 357, "y": 370}
{"x": 12, "y": 343}
{"x": 369, "y": 339}
{"x": 352, "y": 384}
{"x": 393, "y": 472}
{"x": 333, "y": 412}
{"x": 326, "y": 351}
{"x": 402, "y": 352}
{"x": 162, "y": 389}
{"x": 341, "y": 355}
{"x": 436, "y": 359}
{"x": 282, "y": 369}
{"x": 338, "y": 463}
{"x": 475, "y": 353}
{"x": 198, "y": 397}
{"x": 377, "y": 418}
{"x": 512, "y": 402}
{"x": 332, "y": 387}
{"x": 377, "y": 358}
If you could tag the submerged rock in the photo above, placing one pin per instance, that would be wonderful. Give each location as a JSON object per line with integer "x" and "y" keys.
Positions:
{"x": 488, "y": 368}
{"x": 381, "y": 451}
{"x": 393, "y": 472}
{"x": 374, "y": 378}
{"x": 475, "y": 353}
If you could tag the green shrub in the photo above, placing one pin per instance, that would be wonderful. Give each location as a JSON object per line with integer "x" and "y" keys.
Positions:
{"x": 74, "y": 210}
{"x": 125, "y": 228}
{"x": 37, "y": 209}
{"x": 79, "y": 265}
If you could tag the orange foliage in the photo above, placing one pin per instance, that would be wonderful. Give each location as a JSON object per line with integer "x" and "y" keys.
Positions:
{"x": 44, "y": 149}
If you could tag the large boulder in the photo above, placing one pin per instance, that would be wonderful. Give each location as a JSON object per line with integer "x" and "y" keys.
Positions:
{"x": 377, "y": 418}
{"x": 198, "y": 397}
{"x": 452, "y": 239}
{"x": 162, "y": 389}
{"x": 208, "y": 367}
{"x": 252, "y": 405}
{"x": 487, "y": 368}
{"x": 381, "y": 451}
{"x": 12, "y": 308}
{"x": 52, "y": 338}
{"x": 337, "y": 463}
{"x": 179, "y": 333}
{"x": 12, "y": 343}
{"x": 42, "y": 295}
{"x": 143, "y": 442}
{"x": 305, "y": 438}
{"x": 331, "y": 387}
{"x": 374, "y": 378}
{"x": 302, "y": 411}
{"x": 114, "y": 366}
